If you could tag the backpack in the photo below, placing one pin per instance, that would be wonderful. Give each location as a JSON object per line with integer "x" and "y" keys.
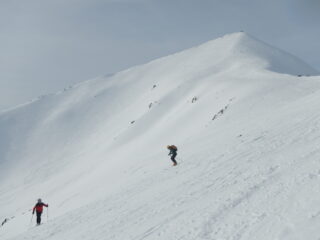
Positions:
{"x": 173, "y": 147}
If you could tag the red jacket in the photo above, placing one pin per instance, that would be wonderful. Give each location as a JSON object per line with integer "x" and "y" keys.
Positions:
{"x": 39, "y": 207}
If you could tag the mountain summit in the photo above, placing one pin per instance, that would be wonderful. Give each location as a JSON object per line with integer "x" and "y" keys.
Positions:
{"x": 240, "y": 50}
{"x": 247, "y": 131}
{"x": 244, "y": 49}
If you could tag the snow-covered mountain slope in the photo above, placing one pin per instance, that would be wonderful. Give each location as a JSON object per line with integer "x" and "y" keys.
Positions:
{"x": 248, "y": 132}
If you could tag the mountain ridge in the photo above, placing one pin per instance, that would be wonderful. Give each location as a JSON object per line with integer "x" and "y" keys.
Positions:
{"x": 239, "y": 43}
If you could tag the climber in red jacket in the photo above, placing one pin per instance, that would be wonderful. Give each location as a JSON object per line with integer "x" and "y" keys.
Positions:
{"x": 39, "y": 208}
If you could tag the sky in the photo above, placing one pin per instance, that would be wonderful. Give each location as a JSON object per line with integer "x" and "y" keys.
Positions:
{"x": 47, "y": 45}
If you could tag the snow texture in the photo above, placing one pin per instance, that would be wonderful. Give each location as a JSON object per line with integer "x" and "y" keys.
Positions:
{"x": 244, "y": 115}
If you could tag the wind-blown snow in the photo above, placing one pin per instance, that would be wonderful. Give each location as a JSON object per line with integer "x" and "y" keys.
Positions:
{"x": 248, "y": 132}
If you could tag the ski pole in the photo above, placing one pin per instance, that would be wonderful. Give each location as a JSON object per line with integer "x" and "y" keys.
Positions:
{"x": 47, "y": 214}
{"x": 31, "y": 220}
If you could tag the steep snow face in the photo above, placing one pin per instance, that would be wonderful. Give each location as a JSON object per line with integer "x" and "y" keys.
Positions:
{"x": 246, "y": 126}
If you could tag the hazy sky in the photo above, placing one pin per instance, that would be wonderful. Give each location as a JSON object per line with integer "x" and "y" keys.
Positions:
{"x": 49, "y": 44}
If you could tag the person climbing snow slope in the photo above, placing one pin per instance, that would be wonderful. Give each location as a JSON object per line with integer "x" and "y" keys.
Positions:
{"x": 38, "y": 208}
{"x": 173, "y": 152}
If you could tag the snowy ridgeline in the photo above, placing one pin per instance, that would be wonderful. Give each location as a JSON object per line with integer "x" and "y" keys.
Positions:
{"x": 244, "y": 115}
